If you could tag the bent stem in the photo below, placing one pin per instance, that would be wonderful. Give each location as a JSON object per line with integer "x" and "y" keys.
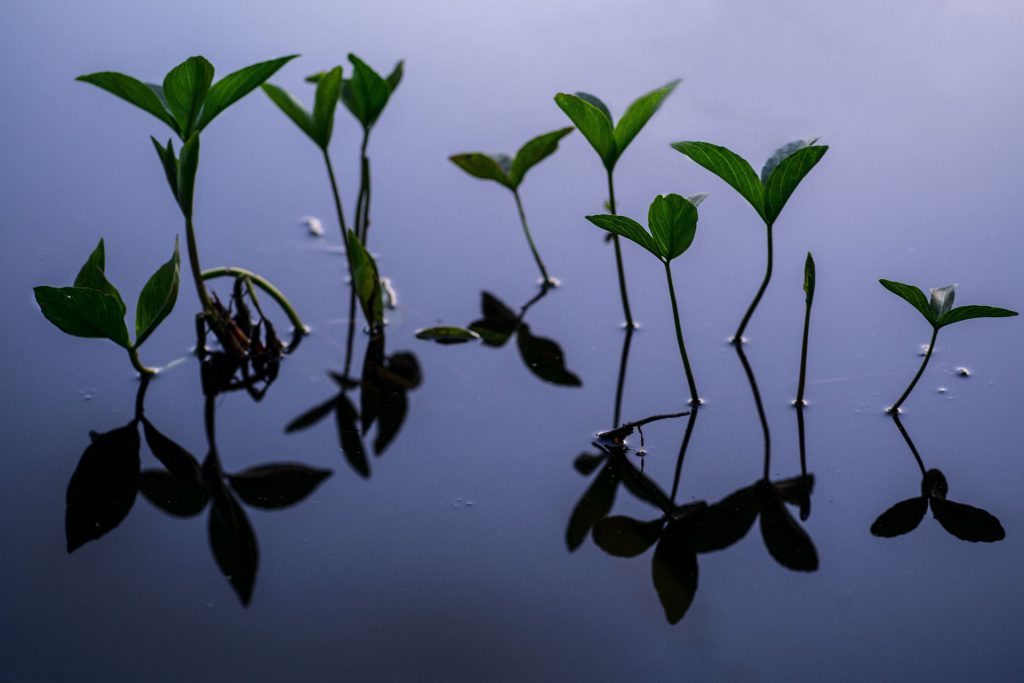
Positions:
{"x": 920, "y": 371}
{"x": 738, "y": 337}
{"x": 682, "y": 451}
{"x": 760, "y": 410}
{"x": 910, "y": 442}
{"x": 694, "y": 397}
{"x": 623, "y": 294}
{"x": 263, "y": 284}
{"x": 545, "y": 278}
{"x": 133, "y": 355}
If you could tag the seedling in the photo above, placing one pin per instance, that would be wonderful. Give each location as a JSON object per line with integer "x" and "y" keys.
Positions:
{"x": 939, "y": 312}
{"x": 93, "y": 307}
{"x": 768, "y": 194}
{"x": 610, "y": 140}
{"x": 187, "y": 102}
{"x": 673, "y": 224}
{"x": 809, "y": 279}
{"x": 510, "y": 172}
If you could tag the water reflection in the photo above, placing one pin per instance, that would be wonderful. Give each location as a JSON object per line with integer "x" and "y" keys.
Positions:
{"x": 963, "y": 521}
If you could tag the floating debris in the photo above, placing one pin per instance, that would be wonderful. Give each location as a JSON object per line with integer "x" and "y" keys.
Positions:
{"x": 925, "y": 348}
{"x": 313, "y": 224}
{"x": 963, "y": 372}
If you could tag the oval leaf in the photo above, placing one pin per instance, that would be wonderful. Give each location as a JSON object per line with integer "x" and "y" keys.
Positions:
{"x": 628, "y": 228}
{"x": 185, "y": 88}
{"x": 594, "y": 123}
{"x": 178, "y": 497}
{"x": 720, "y": 525}
{"x": 786, "y": 541}
{"x": 673, "y": 222}
{"x": 92, "y": 275}
{"x": 967, "y": 523}
{"x": 142, "y": 95}
{"x": 366, "y": 93}
{"x": 912, "y": 295}
{"x": 639, "y": 113}
{"x": 84, "y": 313}
{"x": 156, "y": 301}
{"x": 625, "y": 536}
{"x": 781, "y": 154}
{"x": 595, "y": 505}
{"x": 970, "y": 312}
{"x": 533, "y": 152}
{"x": 328, "y": 88}
{"x": 901, "y": 518}
{"x": 447, "y": 335}
{"x": 545, "y": 359}
{"x": 809, "y": 278}
{"x": 366, "y": 280}
{"x": 729, "y": 166}
{"x": 278, "y": 485}
{"x": 292, "y": 108}
{"x": 480, "y": 165}
{"x": 785, "y": 178}
{"x": 674, "y": 571}
{"x": 233, "y": 543}
{"x": 103, "y": 488}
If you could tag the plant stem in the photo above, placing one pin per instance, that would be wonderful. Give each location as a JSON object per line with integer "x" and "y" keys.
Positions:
{"x": 623, "y": 294}
{"x": 803, "y": 355}
{"x": 694, "y": 397}
{"x": 263, "y": 284}
{"x": 140, "y": 397}
{"x": 363, "y": 207}
{"x": 738, "y": 337}
{"x": 337, "y": 195}
{"x": 546, "y": 280}
{"x": 620, "y": 384}
{"x": 682, "y": 451}
{"x": 760, "y": 409}
{"x": 193, "y": 259}
{"x": 133, "y": 354}
{"x": 920, "y": 371}
{"x": 906, "y": 437}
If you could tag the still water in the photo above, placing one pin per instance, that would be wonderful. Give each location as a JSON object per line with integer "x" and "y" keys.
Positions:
{"x": 458, "y": 543}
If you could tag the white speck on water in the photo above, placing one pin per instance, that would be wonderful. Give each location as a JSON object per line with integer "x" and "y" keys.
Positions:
{"x": 963, "y": 372}
{"x": 313, "y": 224}
{"x": 924, "y": 349}
{"x": 942, "y": 390}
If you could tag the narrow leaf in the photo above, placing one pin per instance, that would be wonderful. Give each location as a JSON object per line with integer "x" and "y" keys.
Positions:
{"x": 92, "y": 275}
{"x": 480, "y": 165}
{"x": 809, "y": 278}
{"x": 188, "y": 162}
{"x": 328, "y": 89}
{"x": 595, "y": 504}
{"x": 84, "y": 313}
{"x": 349, "y": 439}
{"x": 292, "y": 108}
{"x": 311, "y": 416}
{"x": 131, "y": 90}
{"x": 170, "y": 164}
{"x": 278, "y": 485}
{"x": 237, "y": 85}
{"x": 901, "y": 518}
{"x": 786, "y": 541}
{"x": 176, "y": 460}
{"x": 156, "y": 301}
{"x": 447, "y": 335}
{"x": 395, "y": 77}
{"x": 969, "y": 312}
{"x": 174, "y": 496}
{"x": 628, "y": 228}
{"x": 785, "y": 178}
{"x": 673, "y": 222}
{"x": 233, "y": 543}
{"x": 639, "y": 113}
{"x": 594, "y": 123}
{"x": 185, "y": 88}
{"x": 533, "y": 152}
{"x": 366, "y": 93}
{"x": 728, "y": 166}
{"x": 366, "y": 281}
{"x": 912, "y": 295}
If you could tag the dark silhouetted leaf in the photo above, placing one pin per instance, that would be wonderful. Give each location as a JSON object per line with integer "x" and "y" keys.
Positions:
{"x": 785, "y": 178}
{"x": 179, "y": 462}
{"x": 84, "y": 313}
{"x": 912, "y": 295}
{"x": 447, "y": 335}
{"x": 673, "y": 222}
{"x": 724, "y": 523}
{"x": 533, "y": 152}
{"x": 787, "y": 542}
{"x": 237, "y": 85}
{"x": 311, "y": 416}
{"x": 638, "y": 114}
{"x": 233, "y": 543}
{"x": 934, "y": 484}
{"x": 174, "y": 496}
{"x": 625, "y": 536}
{"x": 595, "y": 504}
{"x": 499, "y": 321}
{"x": 674, "y": 571}
{"x": 156, "y": 301}
{"x": 185, "y": 88}
{"x": 969, "y": 312}
{"x": 142, "y": 95}
{"x": 793, "y": 490}
{"x": 92, "y": 275}
{"x": 586, "y": 463}
{"x": 595, "y": 124}
{"x": 628, "y": 228}
{"x": 901, "y": 518}
{"x": 728, "y": 166}
{"x": 545, "y": 359}
{"x": 278, "y": 485}
{"x": 485, "y": 166}
{"x": 967, "y": 523}
{"x": 349, "y": 438}
{"x": 103, "y": 487}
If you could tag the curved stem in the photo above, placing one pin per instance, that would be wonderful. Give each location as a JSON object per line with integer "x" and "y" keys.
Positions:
{"x": 760, "y": 409}
{"x": 738, "y": 337}
{"x": 529, "y": 238}
{"x": 803, "y": 356}
{"x": 263, "y": 284}
{"x": 133, "y": 354}
{"x": 910, "y": 442}
{"x": 140, "y": 397}
{"x": 623, "y": 294}
{"x": 682, "y": 452}
{"x": 193, "y": 259}
{"x": 920, "y": 371}
{"x": 694, "y": 397}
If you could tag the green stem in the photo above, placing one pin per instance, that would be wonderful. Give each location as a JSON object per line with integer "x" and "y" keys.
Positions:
{"x": 546, "y": 279}
{"x": 133, "y": 354}
{"x": 193, "y": 259}
{"x": 803, "y": 355}
{"x": 920, "y": 371}
{"x": 738, "y": 337}
{"x": 694, "y": 397}
{"x": 263, "y": 284}
{"x": 337, "y": 195}
{"x": 363, "y": 209}
{"x": 623, "y": 294}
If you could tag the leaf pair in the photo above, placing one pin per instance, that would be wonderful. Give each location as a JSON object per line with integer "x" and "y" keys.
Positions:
{"x": 319, "y": 123}
{"x": 673, "y": 225}
{"x": 188, "y": 100}
{"x": 781, "y": 174}
{"x": 93, "y": 308}
{"x": 938, "y": 310}
{"x": 367, "y": 93}
{"x": 506, "y": 170}
{"x": 180, "y": 170}
{"x": 592, "y": 117}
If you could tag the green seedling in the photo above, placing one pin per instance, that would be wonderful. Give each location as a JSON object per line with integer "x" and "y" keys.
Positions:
{"x": 809, "y": 279}
{"x": 939, "y": 312}
{"x": 673, "y": 224}
{"x": 188, "y": 101}
{"x": 610, "y": 140}
{"x": 510, "y": 172}
{"x": 93, "y": 307}
{"x": 768, "y": 194}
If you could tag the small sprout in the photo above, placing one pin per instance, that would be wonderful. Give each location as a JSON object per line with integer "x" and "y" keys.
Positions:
{"x": 809, "y": 282}
{"x": 447, "y": 335}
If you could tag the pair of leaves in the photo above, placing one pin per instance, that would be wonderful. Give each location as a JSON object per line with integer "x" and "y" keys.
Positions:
{"x": 367, "y": 93}
{"x": 938, "y": 310}
{"x": 319, "y": 123}
{"x": 180, "y": 170}
{"x": 673, "y": 225}
{"x": 779, "y": 178}
{"x": 506, "y": 170}
{"x": 366, "y": 280}
{"x": 93, "y": 307}
{"x": 188, "y": 100}
{"x": 594, "y": 120}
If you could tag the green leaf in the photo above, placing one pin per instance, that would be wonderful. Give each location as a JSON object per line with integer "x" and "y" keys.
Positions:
{"x": 639, "y": 113}
{"x": 188, "y": 162}
{"x": 786, "y": 176}
{"x": 728, "y": 166}
{"x": 912, "y": 295}
{"x": 170, "y": 163}
{"x": 594, "y": 123}
{"x": 941, "y": 300}
{"x": 485, "y": 166}
{"x": 809, "y": 278}
{"x": 447, "y": 335}
{"x": 142, "y": 95}
{"x": 237, "y": 85}
{"x": 533, "y": 152}
{"x": 969, "y": 312}
{"x": 628, "y": 228}
{"x": 782, "y": 153}
{"x": 366, "y": 93}
{"x": 673, "y": 222}
{"x": 328, "y": 90}
{"x": 292, "y": 108}
{"x": 185, "y": 88}
{"x": 92, "y": 276}
{"x": 156, "y": 301}
{"x": 596, "y": 101}
{"x": 366, "y": 280}
{"x": 395, "y": 77}
{"x": 84, "y": 313}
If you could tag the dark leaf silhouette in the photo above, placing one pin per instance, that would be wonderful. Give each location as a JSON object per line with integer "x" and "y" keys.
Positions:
{"x": 499, "y": 321}
{"x": 901, "y": 518}
{"x": 787, "y": 542}
{"x": 724, "y": 523}
{"x": 674, "y": 571}
{"x": 383, "y": 389}
{"x": 179, "y": 462}
{"x": 175, "y": 496}
{"x": 586, "y": 463}
{"x": 311, "y": 416}
{"x": 103, "y": 487}
{"x": 233, "y": 542}
{"x": 278, "y": 485}
{"x": 348, "y": 436}
{"x": 626, "y": 537}
{"x": 967, "y": 523}
{"x": 595, "y": 504}
{"x": 544, "y": 358}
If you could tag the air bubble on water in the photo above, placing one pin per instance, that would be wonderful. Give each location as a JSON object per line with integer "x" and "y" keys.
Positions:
{"x": 942, "y": 390}
{"x": 313, "y": 224}
{"x": 963, "y": 372}
{"x": 924, "y": 349}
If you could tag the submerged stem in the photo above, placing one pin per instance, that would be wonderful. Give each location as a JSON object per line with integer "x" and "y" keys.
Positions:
{"x": 910, "y": 442}
{"x": 920, "y": 371}
{"x": 620, "y": 384}
{"x": 682, "y": 451}
{"x": 623, "y": 294}
{"x": 694, "y": 397}
{"x": 546, "y": 279}
{"x": 265, "y": 285}
{"x": 133, "y": 354}
{"x": 738, "y": 337}
{"x": 760, "y": 409}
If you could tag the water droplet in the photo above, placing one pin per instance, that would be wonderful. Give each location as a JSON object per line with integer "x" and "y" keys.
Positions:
{"x": 963, "y": 372}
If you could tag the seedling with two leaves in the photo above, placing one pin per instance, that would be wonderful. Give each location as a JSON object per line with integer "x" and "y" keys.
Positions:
{"x": 768, "y": 194}
{"x": 939, "y": 312}
{"x": 510, "y": 172}
{"x": 93, "y": 307}
{"x": 673, "y": 225}
{"x": 610, "y": 140}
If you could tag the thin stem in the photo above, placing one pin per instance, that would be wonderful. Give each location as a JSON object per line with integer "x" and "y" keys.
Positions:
{"x": 920, "y": 371}
{"x": 263, "y": 284}
{"x": 546, "y": 279}
{"x": 682, "y": 452}
{"x": 803, "y": 355}
{"x": 620, "y": 384}
{"x": 906, "y": 437}
{"x": 350, "y": 337}
{"x": 133, "y": 354}
{"x": 627, "y": 428}
{"x": 694, "y": 397}
{"x": 363, "y": 210}
{"x": 760, "y": 409}
{"x": 140, "y": 397}
{"x": 623, "y": 294}
{"x": 193, "y": 259}
{"x": 337, "y": 195}
{"x": 738, "y": 337}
